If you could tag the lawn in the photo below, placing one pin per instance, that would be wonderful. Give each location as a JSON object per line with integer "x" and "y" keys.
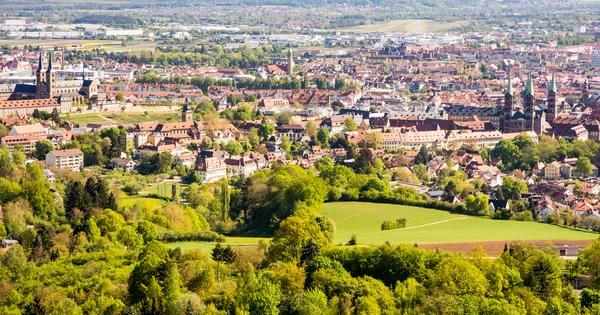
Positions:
{"x": 125, "y": 118}
{"x": 364, "y": 220}
{"x": 407, "y": 26}
{"x": 207, "y": 246}
{"x": 128, "y": 201}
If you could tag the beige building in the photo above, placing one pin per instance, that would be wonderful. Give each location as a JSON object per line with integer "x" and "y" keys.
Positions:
{"x": 70, "y": 159}
{"x": 552, "y": 170}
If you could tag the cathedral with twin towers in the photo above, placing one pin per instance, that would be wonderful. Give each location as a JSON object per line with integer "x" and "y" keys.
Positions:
{"x": 529, "y": 117}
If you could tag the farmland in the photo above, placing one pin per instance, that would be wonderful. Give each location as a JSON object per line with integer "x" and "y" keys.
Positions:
{"x": 434, "y": 226}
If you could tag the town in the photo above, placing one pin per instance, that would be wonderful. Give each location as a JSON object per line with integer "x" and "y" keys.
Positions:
{"x": 322, "y": 158}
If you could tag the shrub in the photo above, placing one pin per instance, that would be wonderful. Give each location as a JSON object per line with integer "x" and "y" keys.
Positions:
{"x": 196, "y": 236}
{"x": 392, "y": 225}
{"x": 522, "y": 216}
{"x": 352, "y": 240}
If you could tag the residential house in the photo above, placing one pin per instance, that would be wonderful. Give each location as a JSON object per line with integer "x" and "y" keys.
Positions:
{"x": 210, "y": 166}
{"x": 552, "y": 170}
{"x": 68, "y": 159}
{"x": 242, "y": 166}
{"x": 126, "y": 164}
{"x": 293, "y": 131}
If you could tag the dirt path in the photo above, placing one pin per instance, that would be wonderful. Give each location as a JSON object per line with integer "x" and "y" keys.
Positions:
{"x": 107, "y": 119}
{"x": 432, "y": 223}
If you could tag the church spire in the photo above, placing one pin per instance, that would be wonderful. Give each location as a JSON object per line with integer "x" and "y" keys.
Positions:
{"x": 40, "y": 62}
{"x": 529, "y": 90}
{"x": 509, "y": 89}
{"x": 552, "y": 87}
{"x": 50, "y": 69}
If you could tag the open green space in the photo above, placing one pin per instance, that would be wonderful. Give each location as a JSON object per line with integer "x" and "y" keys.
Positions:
{"x": 207, "y": 246}
{"x": 434, "y": 226}
{"x": 124, "y": 118}
{"x": 407, "y": 26}
{"x": 128, "y": 201}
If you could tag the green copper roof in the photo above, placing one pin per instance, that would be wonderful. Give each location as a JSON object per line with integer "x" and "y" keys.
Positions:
{"x": 552, "y": 87}
{"x": 509, "y": 89}
{"x": 529, "y": 87}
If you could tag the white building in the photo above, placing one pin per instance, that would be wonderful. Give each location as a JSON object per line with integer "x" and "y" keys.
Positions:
{"x": 69, "y": 159}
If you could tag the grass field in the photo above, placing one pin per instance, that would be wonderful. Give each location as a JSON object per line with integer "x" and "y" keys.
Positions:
{"x": 407, "y": 26}
{"x": 230, "y": 240}
{"x": 124, "y": 118}
{"x": 424, "y": 226}
{"x": 128, "y": 201}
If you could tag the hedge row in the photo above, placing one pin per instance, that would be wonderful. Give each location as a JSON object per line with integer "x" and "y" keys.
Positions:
{"x": 197, "y": 236}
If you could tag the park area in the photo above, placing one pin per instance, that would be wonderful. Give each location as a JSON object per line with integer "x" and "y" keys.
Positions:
{"x": 124, "y": 118}
{"x": 438, "y": 228}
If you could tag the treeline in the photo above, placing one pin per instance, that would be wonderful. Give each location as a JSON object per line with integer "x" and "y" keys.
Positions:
{"x": 522, "y": 153}
{"x": 105, "y": 19}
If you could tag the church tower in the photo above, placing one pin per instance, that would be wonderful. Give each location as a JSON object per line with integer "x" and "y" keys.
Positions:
{"x": 552, "y": 108}
{"x": 39, "y": 77}
{"x": 290, "y": 65}
{"x": 186, "y": 113}
{"x": 509, "y": 102}
{"x": 529, "y": 101}
{"x": 585, "y": 94}
{"x": 51, "y": 77}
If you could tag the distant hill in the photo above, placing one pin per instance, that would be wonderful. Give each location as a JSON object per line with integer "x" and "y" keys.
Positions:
{"x": 122, "y": 4}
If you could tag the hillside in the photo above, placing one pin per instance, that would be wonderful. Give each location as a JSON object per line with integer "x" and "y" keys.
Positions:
{"x": 434, "y": 226}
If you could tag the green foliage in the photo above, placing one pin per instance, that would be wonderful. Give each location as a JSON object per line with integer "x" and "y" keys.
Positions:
{"x": 393, "y": 225}
{"x": 42, "y": 148}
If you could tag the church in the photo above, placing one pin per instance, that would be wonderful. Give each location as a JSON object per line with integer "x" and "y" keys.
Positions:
{"x": 528, "y": 117}
{"x": 46, "y": 86}
{"x": 47, "y": 93}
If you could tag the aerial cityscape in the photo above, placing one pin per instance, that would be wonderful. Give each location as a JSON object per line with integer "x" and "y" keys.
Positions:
{"x": 299, "y": 157}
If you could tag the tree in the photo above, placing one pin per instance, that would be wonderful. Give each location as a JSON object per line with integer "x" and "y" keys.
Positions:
{"x": 128, "y": 237}
{"x": 423, "y": 156}
{"x": 233, "y": 147}
{"x": 229, "y": 257}
{"x": 310, "y": 250}
{"x": 544, "y": 276}
{"x": 450, "y": 191}
{"x": 147, "y": 230}
{"x": 40, "y": 198}
{"x": 3, "y": 131}
{"x": 162, "y": 162}
{"x": 120, "y": 97}
{"x": 42, "y": 148}
{"x": 254, "y": 138}
{"x": 55, "y": 115}
{"x": 265, "y": 298}
{"x": 512, "y": 188}
{"x": 584, "y": 167}
{"x": 477, "y": 205}
{"x": 192, "y": 146}
{"x": 293, "y": 233}
{"x": 323, "y": 137}
{"x": 218, "y": 255}
{"x": 265, "y": 131}
{"x": 350, "y": 125}
{"x": 420, "y": 171}
{"x": 6, "y": 165}
{"x": 509, "y": 153}
{"x": 311, "y": 129}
